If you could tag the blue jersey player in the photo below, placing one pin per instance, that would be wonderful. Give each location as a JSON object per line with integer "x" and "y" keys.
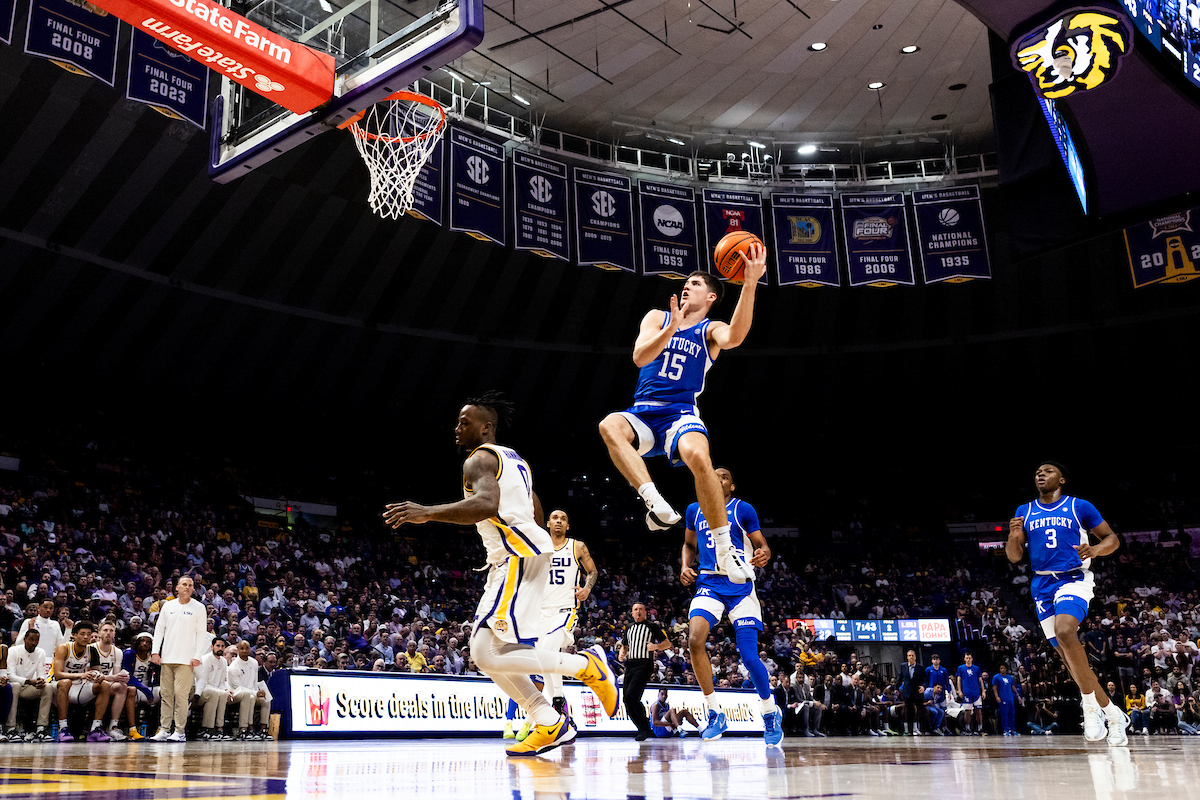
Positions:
{"x": 718, "y": 596}
{"x": 1056, "y": 529}
{"x": 674, "y": 351}
{"x": 969, "y": 680}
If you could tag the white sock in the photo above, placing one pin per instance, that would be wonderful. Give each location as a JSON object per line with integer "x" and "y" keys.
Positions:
{"x": 96, "y": 724}
{"x": 1089, "y": 699}
{"x": 649, "y": 493}
{"x": 720, "y": 535}
{"x": 62, "y": 724}
{"x": 711, "y": 701}
{"x": 768, "y": 705}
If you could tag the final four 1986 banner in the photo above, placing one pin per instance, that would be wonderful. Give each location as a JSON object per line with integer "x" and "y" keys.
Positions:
{"x": 876, "y": 231}
{"x": 805, "y": 240}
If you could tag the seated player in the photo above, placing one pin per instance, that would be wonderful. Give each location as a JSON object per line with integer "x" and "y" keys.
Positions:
{"x": 77, "y": 679}
{"x": 212, "y": 692}
{"x": 666, "y": 721}
{"x": 108, "y": 660}
{"x": 26, "y": 673}
{"x": 242, "y": 678}
{"x": 143, "y": 680}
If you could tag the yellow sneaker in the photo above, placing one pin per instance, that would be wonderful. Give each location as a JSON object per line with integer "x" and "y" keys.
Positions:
{"x": 598, "y": 677}
{"x": 508, "y": 730}
{"x": 543, "y": 738}
{"x": 135, "y": 736}
{"x": 523, "y": 734}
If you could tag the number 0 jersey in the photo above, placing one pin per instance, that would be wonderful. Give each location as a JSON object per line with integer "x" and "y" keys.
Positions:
{"x": 513, "y": 531}
{"x": 558, "y": 601}
{"x": 1053, "y": 533}
{"x": 676, "y": 376}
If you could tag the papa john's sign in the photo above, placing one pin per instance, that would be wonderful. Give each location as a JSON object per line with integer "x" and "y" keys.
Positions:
{"x": 290, "y": 74}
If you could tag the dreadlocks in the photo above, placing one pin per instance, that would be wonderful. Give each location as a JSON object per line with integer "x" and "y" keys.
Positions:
{"x": 497, "y": 405}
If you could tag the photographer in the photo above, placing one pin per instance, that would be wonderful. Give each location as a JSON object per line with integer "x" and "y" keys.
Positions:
{"x": 1043, "y": 719}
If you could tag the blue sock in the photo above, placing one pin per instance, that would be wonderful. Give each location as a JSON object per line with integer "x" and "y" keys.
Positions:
{"x": 512, "y": 710}
{"x": 747, "y": 645}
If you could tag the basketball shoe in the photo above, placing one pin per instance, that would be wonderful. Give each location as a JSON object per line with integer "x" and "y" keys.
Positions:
{"x": 773, "y": 728}
{"x": 717, "y": 725}
{"x": 730, "y": 561}
{"x": 544, "y": 737}
{"x": 598, "y": 677}
{"x": 508, "y": 731}
{"x": 1118, "y": 720}
{"x": 1093, "y": 722}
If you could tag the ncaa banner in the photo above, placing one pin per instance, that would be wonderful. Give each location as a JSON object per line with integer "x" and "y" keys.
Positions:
{"x": 668, "y": 229}
{"x": 950, "y": 235}
{"x": 1164, "y": 250}
{"x": 8, "y": 15}
{"x": 604, "y": 220}
{"x": 540, "y": 205}
{"x": 805, "y": 240}
{"x": 876, "y": 231}
{"x": 166, "y": 79}
{"x": 726, "y": 212}
{"x": 78, "y": 40}
{"x": 427, "y": 189}
{"x": 476, "y": 186}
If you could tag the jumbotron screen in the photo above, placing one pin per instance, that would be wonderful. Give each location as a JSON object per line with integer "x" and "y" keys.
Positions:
{"x": 876, "y": 630}
{"x": 1173, "y": 27}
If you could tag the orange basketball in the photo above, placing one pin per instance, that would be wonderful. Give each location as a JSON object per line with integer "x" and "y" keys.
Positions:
{"x": 730, "y": 252}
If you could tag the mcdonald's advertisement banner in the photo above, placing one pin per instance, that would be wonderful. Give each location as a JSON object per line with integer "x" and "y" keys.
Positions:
{"x": 1164, "y": 250}
{"x": 805, "y": 240}
{"x": 604, "y": 220}
{"x": 950, "y": 235}
{"x": 165, "y": 78}
{"x": 876, "y": 231}
{"x": 669, "y": 234}
{"x": 540, "y": 205}
{"x": 476, "y": 186}
{"x": 75, "y": 38}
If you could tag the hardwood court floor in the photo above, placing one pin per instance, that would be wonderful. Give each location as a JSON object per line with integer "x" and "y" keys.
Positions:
{"x": 1055, "y": 768}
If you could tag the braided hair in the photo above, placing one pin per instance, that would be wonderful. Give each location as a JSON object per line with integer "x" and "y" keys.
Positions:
{"x": 497, "y": 404}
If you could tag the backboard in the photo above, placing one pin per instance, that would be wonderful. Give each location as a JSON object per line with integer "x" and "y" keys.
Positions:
{"x": 379, "y": 47}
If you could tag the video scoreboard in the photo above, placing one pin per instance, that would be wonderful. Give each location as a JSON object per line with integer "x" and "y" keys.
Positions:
{"x": 876, "y": 630}
{"x": 1173, "y": 27}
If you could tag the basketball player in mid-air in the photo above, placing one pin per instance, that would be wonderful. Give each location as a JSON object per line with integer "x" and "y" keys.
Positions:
{"x": 1056, "y": 529}
{"x": 717, "y": 596}
{"x": 500, "y": 502}
{"x": 674, "y": 351}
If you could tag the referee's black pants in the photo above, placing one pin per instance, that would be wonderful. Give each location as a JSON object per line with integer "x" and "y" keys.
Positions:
{"x": 637, "y": 675}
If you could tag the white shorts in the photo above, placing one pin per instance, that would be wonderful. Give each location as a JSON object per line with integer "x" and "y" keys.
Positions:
{"x": 976, "y": 703}
{"x": 556, "y": 640}
{"x": 81, "y": 692}
{"x": 512, "y": 599}
{"x": 154, "y": 699}
{"x": 715, "y": 604}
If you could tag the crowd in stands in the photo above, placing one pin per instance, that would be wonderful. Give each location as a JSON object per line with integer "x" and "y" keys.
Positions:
{"x": 95, "y": 532}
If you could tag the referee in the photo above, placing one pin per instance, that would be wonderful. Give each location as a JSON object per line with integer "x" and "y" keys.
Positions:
{"x": 640, "y": 640}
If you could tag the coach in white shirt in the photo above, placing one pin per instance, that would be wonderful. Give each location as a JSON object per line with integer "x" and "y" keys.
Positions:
{"x": 46, "y": 625}
{"x": 181, "y": 639}
{"x": 27, "y": 674}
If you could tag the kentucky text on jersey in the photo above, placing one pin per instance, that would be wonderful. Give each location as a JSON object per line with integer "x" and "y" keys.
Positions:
{"x": 742, "y": 519}
{"x": 1053, "y": 533}
{"x": 676, "y": 376}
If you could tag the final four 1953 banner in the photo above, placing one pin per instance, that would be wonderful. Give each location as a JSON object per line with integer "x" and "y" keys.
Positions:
{"x": 669, "y": 232}
{"x": 876, "y": 231}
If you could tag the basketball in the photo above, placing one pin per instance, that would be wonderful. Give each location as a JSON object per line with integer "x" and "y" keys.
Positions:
{"x": 729, "y": 254}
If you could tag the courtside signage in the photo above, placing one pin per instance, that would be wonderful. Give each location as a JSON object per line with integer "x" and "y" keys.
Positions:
{"x": 340, "y": 705}
{"x": 285, "y": 72}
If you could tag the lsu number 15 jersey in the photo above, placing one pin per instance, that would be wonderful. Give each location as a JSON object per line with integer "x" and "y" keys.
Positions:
{"x": 558, "y": 601}
{"x": 513, "y": 531}
{"x": 1053, "y": 532}
{"x": 677, "y": 376}
{"x": 742, "y": 520}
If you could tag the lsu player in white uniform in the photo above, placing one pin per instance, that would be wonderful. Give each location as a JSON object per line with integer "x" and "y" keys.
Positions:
{"x": 498, "y": 499}
{"x": 564, "y": 593}
{"x": 108, "y": 659}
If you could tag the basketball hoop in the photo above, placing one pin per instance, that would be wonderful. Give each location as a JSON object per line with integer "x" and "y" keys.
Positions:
{"x": 395, "y": 137}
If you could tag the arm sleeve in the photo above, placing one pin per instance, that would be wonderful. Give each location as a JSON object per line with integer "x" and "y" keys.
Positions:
{"x": 160, "y": 630}
{"x": 1089, "y": 517}
{"x": 127, "y": 664}
{"x": 203, "y": 638}
{"x": 201, "y": 678}
{"x": 748, "y": 517}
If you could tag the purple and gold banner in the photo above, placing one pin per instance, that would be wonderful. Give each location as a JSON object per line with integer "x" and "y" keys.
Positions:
{"x": 950, "y": 235}
{"x": 669, "y": 234}
{"x": 604, "y": 220}
{"x": 477, "y": 194}
{"x": 876, "y": 231}
{"x": 74, "y": 38}
{"x": 805, "y": 240}
{"x": 1164, "y": 250}
{"x": 173, "y": 83}
{"x": 726, "y": 212}
{"x": 427, "y": 189}
{"x": 540, "y": 205}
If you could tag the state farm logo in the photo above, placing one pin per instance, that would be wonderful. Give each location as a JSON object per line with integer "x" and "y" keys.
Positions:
{"x": 477, "y": 170}
{"x": 604, "y": 203}
{"x": 264, "y": 84}
{"x": 541, "y": 189}
{"x": 668, "y": 220}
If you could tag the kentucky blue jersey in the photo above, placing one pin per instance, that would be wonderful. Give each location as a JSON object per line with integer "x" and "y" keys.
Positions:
{"x": 1006, "y": 686}
{"x": 1053, "y": 532}
{"x": 676, "y": 377}
{"x": 742, "y": 520}
{"x": 937, "y": 676}
{"x": 969, "y": 676}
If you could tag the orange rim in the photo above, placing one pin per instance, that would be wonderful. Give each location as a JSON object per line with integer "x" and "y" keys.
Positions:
{"x": 411, "y": 97}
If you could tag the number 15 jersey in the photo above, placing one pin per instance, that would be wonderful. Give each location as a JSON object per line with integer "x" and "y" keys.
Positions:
{"x": 676, "y": 376}
{"x": 1053, "y": 533}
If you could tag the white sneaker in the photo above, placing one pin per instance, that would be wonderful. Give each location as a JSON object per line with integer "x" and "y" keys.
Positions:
{"x": 1093, "y": 723}
{"x": 1117, "y": 722}
{"x": 177, "y": 736}
{"x": 116, "y": 734}
{"x": 660, "y": 516}
{"x": 733, "y": 565}
{"x": 160, "y": 735}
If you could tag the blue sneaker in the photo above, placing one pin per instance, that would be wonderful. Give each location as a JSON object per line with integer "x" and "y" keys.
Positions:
{"x": 773, "y": 728}
{"x": 717, "y": 724}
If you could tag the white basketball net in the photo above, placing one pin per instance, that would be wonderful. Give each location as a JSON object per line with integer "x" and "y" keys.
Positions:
{"x": 395, "y": 137}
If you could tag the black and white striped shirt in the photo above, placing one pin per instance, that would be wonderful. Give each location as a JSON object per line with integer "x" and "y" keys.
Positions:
{"x": 638, "y": 637}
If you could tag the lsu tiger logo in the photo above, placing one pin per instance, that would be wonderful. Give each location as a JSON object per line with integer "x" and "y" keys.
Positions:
{"x": 1076, "y": 52}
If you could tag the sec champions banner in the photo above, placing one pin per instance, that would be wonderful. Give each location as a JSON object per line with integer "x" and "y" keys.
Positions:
{"x": 1164, "y": 250}
{"x": 805, "y": 240}
{"x": 950, "y": 235}
{"x": 476, "y": 186}
{"x": 604, "y": 220}
{"x": 173, "y": 83}
{"x": 876, "y": 231}
{"x": 726, "y": 212}
{"x": 669, "y": 234}
{"x": 540, "y": 205}
{"x": 73, "y": 37}
{"x": 427, "y": 191}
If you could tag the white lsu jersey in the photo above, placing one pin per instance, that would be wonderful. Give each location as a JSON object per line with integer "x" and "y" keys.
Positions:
{"x": 77, "y": 663}
{"x": 107, "y": 663}
{"x": 558, "y": 601}
{"x": 513, "y": 531}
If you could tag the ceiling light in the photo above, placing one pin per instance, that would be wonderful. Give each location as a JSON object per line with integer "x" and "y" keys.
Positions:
{"x": 454, "y": 75}
{"x": 807, "y": 149}
{"x": 673, "y": 140}
{"x": 768, "y": 157}
{"x": 520, "y": 99}
{"x": 481, "y": 83}
{"x": 759, "y": 145}
{"x": 875, "y": 86}
{"x": 817, "y": 47}
{"x": 906, "y": 141}
{"x": 745, "y": 156}
{"x": 912, "y": 48}
{"x": 655, "y": 137}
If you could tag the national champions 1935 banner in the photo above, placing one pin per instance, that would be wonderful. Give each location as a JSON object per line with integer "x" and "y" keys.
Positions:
{"x": 950, "y": 234}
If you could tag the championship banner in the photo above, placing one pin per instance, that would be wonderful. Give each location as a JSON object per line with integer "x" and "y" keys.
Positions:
{"x": 1164, "y": 250}
{"x": 950, "y": 235}
{"x": 427, "y": 189}
{"x": 76, "y": 39}
{"x": 604, "y": 220}
{"x": 540, "y": 205}
{"x": 669, "y": 231}
{"x": 164, "y": 78}
{"x": 8, "y": 15}
{"x": 726, "y": 212}
{"x": 285, "y": 72}
{"x": 476, "y": 186}
{"x": 805, "y": 240}
{"x": 876, "y": 231}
